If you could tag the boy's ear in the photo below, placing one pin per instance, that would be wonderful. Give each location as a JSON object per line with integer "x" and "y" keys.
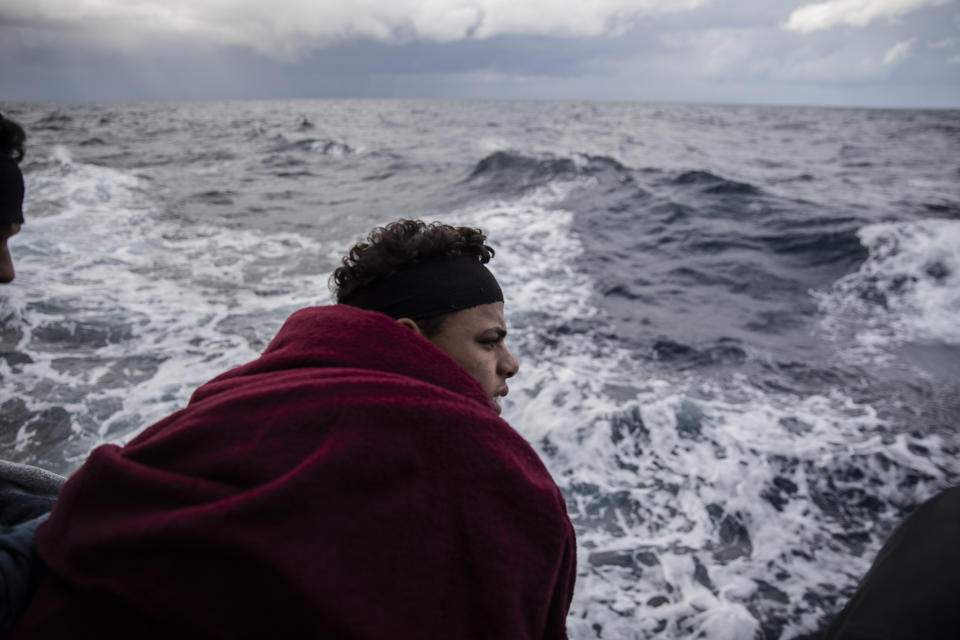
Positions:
{"x": 407, "y": 322}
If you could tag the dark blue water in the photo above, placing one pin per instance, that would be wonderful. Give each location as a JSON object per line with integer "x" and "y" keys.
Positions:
{"x": 737, "y": 325}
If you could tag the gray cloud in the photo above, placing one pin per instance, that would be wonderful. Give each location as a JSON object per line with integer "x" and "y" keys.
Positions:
{"x": 290, "y": 29}
{"x": 854, "y": 13}
{"x": 717, "y": 51}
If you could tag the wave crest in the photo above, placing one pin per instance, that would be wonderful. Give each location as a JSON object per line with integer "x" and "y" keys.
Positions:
{"x": 515, "y": 173}
{"x": 907, "y": 290}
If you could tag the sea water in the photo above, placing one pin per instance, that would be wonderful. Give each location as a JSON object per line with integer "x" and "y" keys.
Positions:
{"x": 737, "y": 326}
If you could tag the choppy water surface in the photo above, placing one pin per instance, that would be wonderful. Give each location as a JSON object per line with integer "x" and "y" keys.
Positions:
{"x": 737, "y": 325}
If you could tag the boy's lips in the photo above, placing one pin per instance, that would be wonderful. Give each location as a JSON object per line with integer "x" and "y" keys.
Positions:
{"x": 495, "y": 402}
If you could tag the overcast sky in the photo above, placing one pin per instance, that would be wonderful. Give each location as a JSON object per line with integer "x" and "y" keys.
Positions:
{"x": 830, "y": 52}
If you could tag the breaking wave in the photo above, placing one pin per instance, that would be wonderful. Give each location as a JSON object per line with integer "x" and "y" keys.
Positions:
{"x": 907, "y": 290}
{"x": 129, "y": 309}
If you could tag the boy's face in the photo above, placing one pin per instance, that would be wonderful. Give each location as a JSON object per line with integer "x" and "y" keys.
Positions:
{"x": 475, "y": 339}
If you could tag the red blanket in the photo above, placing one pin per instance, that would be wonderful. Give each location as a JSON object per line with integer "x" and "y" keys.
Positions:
{"x": 352, "y": 482}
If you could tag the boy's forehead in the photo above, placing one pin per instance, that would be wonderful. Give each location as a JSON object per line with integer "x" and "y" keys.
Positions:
{"x": 481, "y": 317}
{"x": 492, "y": 311}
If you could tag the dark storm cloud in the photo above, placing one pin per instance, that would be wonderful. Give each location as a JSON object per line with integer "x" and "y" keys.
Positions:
{"x": 722, "y": 50}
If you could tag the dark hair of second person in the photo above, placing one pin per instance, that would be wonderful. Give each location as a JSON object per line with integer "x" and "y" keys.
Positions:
{"x": 12, "y": 139}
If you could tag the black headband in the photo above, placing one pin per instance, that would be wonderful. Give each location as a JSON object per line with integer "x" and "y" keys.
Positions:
{"x": 429, "y": 289}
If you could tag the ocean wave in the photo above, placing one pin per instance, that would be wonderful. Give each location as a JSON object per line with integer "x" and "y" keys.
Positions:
{"x": 512, "y": 173}
{"x": 944, "y": 208}
{"x": 209, "y": 157}
{"x": 819, "y": 246}
{"x": 305, "y": 124}
{"x": 95, "y": 141}
{"x": 121, "y": 311}
{"x": 907, "y": 290}
{"x": 724, "y": 352}
{"x": 214, "y": 197}
{"x": 695, "y": 504}
{"x": 729, "y": 472}
{"x": 57, "y": 185}
{"x": 323, "y": 146}
{"x": 710, "y": 183}
{"x": 54, "y": 121}
{"x": 729, "y": 508}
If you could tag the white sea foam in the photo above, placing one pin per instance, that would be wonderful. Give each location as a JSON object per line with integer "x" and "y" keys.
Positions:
{"x": 124, "y": 311}
{"x": 908, "y": 289}
{"x": 703, "y": 508}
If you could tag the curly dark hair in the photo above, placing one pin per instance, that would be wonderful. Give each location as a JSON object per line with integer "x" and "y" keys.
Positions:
{"x": 405, "y": 242}
{"x": 12, "y": 139}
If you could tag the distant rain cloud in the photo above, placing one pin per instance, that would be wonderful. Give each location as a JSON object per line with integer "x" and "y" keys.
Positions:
{"x": 853, "y": 13}
{"x": 288, "y": 29}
